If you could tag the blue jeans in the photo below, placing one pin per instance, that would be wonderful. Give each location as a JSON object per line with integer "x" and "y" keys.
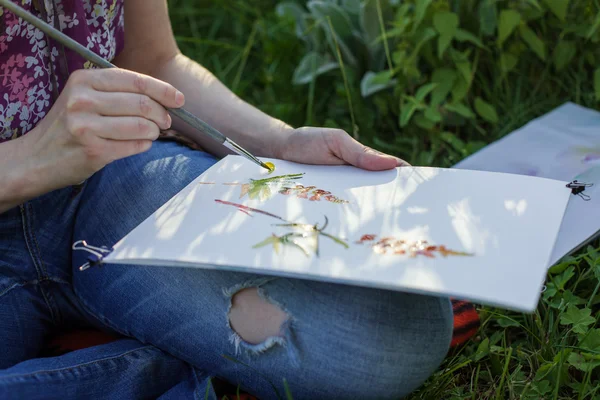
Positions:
{"x": 339, "y": 342}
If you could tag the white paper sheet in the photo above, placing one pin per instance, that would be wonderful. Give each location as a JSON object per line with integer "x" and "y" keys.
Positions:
{"x": 507, "y": 222}
{"x": 563, "y": 144}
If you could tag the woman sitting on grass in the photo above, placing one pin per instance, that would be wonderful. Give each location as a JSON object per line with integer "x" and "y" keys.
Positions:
{"x": 79, "y": 159}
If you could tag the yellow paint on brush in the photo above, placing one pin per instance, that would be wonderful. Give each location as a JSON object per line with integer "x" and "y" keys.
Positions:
{"x": 271, "y": 166}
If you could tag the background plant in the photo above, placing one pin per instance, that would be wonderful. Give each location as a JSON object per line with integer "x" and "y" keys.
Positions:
{"x": 432, "y": 81}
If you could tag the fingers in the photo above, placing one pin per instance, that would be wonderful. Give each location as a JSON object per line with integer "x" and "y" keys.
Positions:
{"x": 133, "y": 104}
{"x": 121, "y": 80}
{"x": 361, "y": 156}
{"x": 120, "y": 149}
{"x": 125, "y": 128}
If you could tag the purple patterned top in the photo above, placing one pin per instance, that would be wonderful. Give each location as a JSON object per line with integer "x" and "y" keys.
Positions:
{"x": 29, "y": 61}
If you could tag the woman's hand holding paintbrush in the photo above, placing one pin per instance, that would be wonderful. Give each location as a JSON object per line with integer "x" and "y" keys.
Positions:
{"x": 187, "y": 117}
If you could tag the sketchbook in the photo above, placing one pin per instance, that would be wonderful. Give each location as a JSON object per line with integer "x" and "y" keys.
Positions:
{"x": 482, "y": 236}
{"x": 563, "y": 144}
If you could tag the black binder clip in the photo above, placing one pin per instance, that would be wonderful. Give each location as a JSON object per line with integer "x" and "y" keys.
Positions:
{"x": 95, "y": 256}
{"x": 577, "y": 188}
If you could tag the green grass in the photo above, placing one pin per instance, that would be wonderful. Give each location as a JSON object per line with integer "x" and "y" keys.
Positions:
{"x": 552, "y": 354}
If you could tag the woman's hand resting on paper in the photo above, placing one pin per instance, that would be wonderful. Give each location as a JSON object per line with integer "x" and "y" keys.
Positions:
{"x": 327, "y": 146}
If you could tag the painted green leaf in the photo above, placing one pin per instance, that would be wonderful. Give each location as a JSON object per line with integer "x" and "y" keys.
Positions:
{"x": 534, "y": 42}
{"x": 509, "y": 20}
{"x": 271, "y": 240}
{"x": 445, "y": 78}
{"x": 488, "y": 17}
{"x": 563, "y": 54}
{"x": 446, "y": 24}
{"x": 465, "y": 36}
{"x": 486, "y": 110}
{"x": 597, "y": 83}
{"x": 375, "y": 82}
{"x": 558, "y": 7}
{"x": 579, "y": 318}
{"x": 461, "y": 109}
{"x": 311, "y": 66}
{"x": 424, "y": 90}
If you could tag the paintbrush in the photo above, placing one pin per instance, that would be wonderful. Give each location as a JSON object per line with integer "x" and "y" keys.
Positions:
{"x": 89, "y": 55}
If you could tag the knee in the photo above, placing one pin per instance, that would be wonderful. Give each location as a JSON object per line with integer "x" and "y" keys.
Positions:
{"x": 396, "y": 356}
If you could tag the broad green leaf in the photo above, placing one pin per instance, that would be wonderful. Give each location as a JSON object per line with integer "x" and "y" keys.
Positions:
{"x": 579, "y": 318}
{"x": 535, "y": 4}
{"x": 486, "y": 110}
{"x": 312, "y": 65}
{"x": 509, "y": 20}
{"x": 591, "y": 341}
{"x": 488, "y": 17}
{"x": 508, "y": 62}
{"x": 424, "y": 90}
{"x": 459, "y": 146}
{"x": 445, "y": 78}
{"x": 482, "y": 350}
{"x": 420, "y": 10}
{"x": 351, "y": 6}
{"x": 423, "y": 122}
{"x": 461, "y": 109}
{"x": 581, "y": 363}
{"x": 406, "y": 112}
{"x": 460, "y": 90}
{"x": 534, "y": 42}
{"x": 322, "y": 10}
{"x": 295, "y": 12}
{"x": 561, "y": 280}
{"x": 592, "y": 30}
{"x": 465, "y": 36}
{"x": 593, "y": 253}
{"x": 558, "y": 7}
{"x": 432, "y": 114}
{"x": 375, "y": 82}
{"x": 464, "y": 67}
{"x": 597, "y": 83}
{"x": 446, "y": 24}
{"x": 505, "y": 322}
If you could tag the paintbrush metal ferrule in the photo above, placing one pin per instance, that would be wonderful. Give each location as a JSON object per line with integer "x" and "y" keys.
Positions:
{"x": 89, "y": 55}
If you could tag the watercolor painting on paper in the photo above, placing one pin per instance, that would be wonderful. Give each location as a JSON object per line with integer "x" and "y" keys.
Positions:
{"x": 413, "y": 229}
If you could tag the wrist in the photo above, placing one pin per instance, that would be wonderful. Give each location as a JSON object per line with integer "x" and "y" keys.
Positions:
{"x": 23, "y": 178}
{"x": 278, "y": 140}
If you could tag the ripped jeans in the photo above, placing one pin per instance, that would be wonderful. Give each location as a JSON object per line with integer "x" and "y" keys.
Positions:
{"x": 334, "y": 341}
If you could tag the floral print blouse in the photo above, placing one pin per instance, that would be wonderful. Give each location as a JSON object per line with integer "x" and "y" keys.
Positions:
{"x": 34, "y": 68}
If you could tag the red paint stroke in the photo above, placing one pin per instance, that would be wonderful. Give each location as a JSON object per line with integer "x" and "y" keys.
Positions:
{"x": 390, "y": 245}
{"x": 247, "y": 209}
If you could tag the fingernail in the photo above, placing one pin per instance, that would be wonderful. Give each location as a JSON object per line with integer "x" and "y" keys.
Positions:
{"x": 179, "y": 98}
{"x": 401, "y": 163}
{"x": 169, "y": 121}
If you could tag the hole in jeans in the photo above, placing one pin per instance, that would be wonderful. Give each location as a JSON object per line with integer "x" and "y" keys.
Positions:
{"x": 254, "y": 318}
